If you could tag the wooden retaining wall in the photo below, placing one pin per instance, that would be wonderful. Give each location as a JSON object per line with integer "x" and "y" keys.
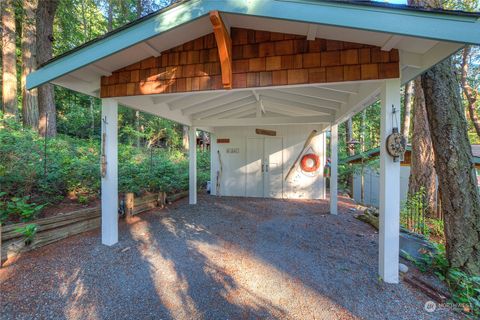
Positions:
{"x": 61, "y": 226}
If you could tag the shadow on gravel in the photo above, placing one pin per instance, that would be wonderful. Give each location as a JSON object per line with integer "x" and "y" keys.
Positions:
{"x": 224, "y": 258}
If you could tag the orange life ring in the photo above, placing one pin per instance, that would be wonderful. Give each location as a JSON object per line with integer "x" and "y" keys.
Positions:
{"x": 310, "y": 162}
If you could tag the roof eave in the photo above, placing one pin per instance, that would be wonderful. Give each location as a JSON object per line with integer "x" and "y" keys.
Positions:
{"x": 427, "y": 25}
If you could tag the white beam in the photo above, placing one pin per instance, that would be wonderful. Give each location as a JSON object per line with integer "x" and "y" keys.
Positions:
{"x": 298, "y": 98}
{"x": 410, "y": 59}
{"x": 99, "y": 70}
{"x": 367, "y": 94}
{"x": 226, "y": 107}
{"x": 283, "y": 110}
{"x": 148, "y": 48}
{"x": 110, "y": 180}
{"x": 190, "y": 100}
{"x": 232, "y": 112}
{"x": 344, "y": 88}
{"x": 263, "y": 121}
{"x": 433, "y": 56}
{"x": 319, "y": 93}
{"x": 211, "y": 104}
{"x": 322, "y": 139}
{"x": 69, "y": 82}
{"x": 391, "y": 42}
{"x": 293, "y": 105}
{"x": 334, "y": 169}
{"x": 389, "y": 224}
{"x": 258, "y": 109}
{"x": 241, "y": 114}
{"x": 192, "y": 163}
{"x": 145, "y": 104}
{"x": 312, "y": 32}
{"x": 169, "y": 98}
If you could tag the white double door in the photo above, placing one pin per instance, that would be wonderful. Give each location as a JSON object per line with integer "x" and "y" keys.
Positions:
{"x": 264, "y": 167}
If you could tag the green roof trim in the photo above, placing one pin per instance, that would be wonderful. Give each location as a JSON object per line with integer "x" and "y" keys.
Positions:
{"x": 442, "y": 26}
{"x": 372, "y": 153}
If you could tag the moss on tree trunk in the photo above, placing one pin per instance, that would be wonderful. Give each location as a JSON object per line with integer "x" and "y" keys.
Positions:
{"x": 454, "y": 166}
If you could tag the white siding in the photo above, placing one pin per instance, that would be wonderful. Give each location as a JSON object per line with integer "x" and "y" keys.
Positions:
{"x": 233, "y": 181}
{"x": 372, "y": 184}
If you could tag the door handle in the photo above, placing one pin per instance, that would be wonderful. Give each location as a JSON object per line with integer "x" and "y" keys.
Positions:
{"x": 266, "y": 168}
{"x": 262, "y": 167}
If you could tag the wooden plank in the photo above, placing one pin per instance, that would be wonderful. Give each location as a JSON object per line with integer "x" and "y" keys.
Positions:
{"x": 266, "y": 132}
{"x": 224, "y": 45}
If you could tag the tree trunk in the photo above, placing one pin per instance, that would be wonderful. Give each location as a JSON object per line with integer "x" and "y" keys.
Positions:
{"x": 469, "y": 92}
{"x": 139, "y": 8}
{"x": 454, "y": 164}
{"x": 185, "y": 142}
{"x": 110, "y": 16}
{"x": 46, "y": 100}
{"x": 138, "y": 128}
{"x": 422, "y": 171}
{"x": 9, "y": 63}
{"x": 29, "y": 63}
{"x": 407, "y": 103}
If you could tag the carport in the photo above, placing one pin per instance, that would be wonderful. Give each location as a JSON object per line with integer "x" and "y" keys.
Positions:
{"x": 242, "y": 65}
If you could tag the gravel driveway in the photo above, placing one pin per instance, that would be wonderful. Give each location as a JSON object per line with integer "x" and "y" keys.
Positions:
{"x": 225, "y": 258}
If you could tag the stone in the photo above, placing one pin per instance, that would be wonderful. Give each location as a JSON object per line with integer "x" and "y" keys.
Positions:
{"x": 402, "y": 268}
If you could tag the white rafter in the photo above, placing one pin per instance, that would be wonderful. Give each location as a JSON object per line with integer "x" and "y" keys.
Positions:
{"x": 240, "y": 114}
{"x": 350, "y": 88}
{"x": 147, "y": 47}
{"x": 296, "y": 109}
{"x": 303, "y": 102}
{"x": 194, "y": 99}
{"x": 282, "y": 110}
{"x": 312, "y": 32}
{"x": 366, "y": 95}
{"x": 391, "y": 42}
{"x": 263, "y": 121}
{"x": 210, "y": 104}
{"x": 298, "y": 98}
{"x": 232, "y": 112}
{"x": 319, "y": 93}
{"x": 223, "y": 108}
{"x": 99, "y": 70}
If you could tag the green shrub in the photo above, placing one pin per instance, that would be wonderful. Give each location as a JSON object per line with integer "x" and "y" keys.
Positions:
{"x": 465, "y": 288}
{"x": 29, "y": 231}
{"x": 73, "y": 167}
{"x": 18, "y": 209}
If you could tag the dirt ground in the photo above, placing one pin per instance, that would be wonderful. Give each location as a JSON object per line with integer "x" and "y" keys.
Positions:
{"x": 225, "y": 258}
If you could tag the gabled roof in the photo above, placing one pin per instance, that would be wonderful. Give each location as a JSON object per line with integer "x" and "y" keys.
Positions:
{"x": 368, "y": 3}
{"x": 440, "y": 25}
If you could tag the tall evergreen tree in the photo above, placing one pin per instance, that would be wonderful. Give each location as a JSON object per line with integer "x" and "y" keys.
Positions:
{"x": 29, "y": 101}
{"x": 9, "y": 62}
{"x": 46, "y": 97}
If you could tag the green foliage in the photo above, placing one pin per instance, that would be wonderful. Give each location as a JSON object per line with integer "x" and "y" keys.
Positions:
{"x": 29, "y": 231}
{"x": 18, "y": 208}
{"x": 73, "y": 166}
{"x": 465, "y": 288}
{"x": 413, "y": 213}
{"x": 83, "y": 199}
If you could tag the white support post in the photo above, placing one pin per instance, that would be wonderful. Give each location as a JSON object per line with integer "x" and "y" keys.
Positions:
{"x": 110, "y": 180}
{"x": 214, "y": 164}
{"x": 334, "y": 169}
{"x": 192, "y": 160}
{"x": 322, "y": 141}
{"x": 389, "y": 227}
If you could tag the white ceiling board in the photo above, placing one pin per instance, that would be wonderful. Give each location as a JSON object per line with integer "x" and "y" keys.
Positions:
{"x": 415, "y": 45}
